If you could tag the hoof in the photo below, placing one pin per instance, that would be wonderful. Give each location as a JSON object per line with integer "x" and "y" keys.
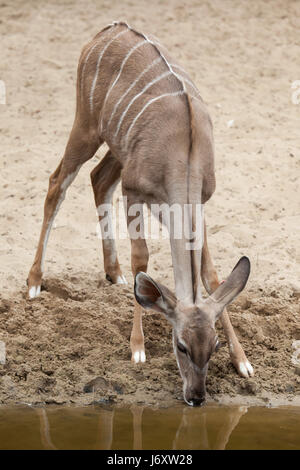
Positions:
{"x": 34, "y": 291}
{"x": 119, "y": 279}
{"x": 138, "y": 356}
{"x": 245, "y": 369}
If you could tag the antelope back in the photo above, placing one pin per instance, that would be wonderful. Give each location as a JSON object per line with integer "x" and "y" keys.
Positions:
{"x": 123, "y": 77}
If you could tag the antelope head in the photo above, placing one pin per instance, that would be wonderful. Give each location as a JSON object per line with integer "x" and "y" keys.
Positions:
{"x": 194, "y": 334}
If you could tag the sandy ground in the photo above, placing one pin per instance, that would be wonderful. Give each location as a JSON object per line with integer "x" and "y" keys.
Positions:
{"x": 243, "y": 56}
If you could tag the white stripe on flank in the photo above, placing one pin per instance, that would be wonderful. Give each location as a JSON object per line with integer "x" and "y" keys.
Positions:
{"x": 98, "y": 65}
{"x": 161, "y": 96}
{"x": 155, "y": 80}
{"x": 178, "y": 67}
{"x": 88, "y": 56}
{"x": 84, "y": 66}
{"x": 176, "y": 93}
{"x": 167, "y": 64}
{"x": 131, "y": 51}
{"x": 160, "y": 53}
{"x": 132, "y": 86}
{"x": 184, "y": 79}
{"x": 192, "y": 85}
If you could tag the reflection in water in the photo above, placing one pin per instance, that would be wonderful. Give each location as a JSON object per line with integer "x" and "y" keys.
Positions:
{"x": 180, "y": 427}
{"x": 45, "y": 429}
{"x": 192, "y": 432}
{"x": 104, "y": 436}
{"x": 137, "y": 413}
{"x": 232, "y": 418}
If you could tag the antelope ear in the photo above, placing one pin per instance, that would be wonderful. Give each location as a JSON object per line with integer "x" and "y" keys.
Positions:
{"x": 233, "y": 285}
{"x": 151, "y": 294}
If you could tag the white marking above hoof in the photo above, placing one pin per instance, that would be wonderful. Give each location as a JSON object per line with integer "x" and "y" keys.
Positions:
{"x": 245, "y": 369}
{"x": 34, "y": 291}
{"x": 2, "y": 353}
{"x": 139, "y": 356}
{"x": 121, "y": 280}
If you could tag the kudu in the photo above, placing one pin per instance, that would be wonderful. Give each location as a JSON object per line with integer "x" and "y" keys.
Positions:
{"x": 134, "y": 97}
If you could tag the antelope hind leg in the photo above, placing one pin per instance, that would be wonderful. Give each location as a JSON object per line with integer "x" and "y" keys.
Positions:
{"x": 211, "y": 282}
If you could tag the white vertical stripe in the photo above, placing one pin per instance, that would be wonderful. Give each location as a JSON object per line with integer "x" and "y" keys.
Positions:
{"x": 176, "y": 93}
{"x": 178, "y": 67}
{"x": 186, "y": 79}
{"x": 159, "y": 52}
{"x": 155, "y": 80}
{"x": 150, "y": 66}
{"x": 161, "y": 96}
{"x": 84, "y": 66}
{"x": 193, "y": 86}
{"x": 165, "y": 60}
{"x": 98, "y": 66}
{"x": 88, "y": 56}
{"x": 130, "y": 52}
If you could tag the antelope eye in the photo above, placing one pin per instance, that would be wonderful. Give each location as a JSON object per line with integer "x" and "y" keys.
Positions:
{"x": 181, "y": 348}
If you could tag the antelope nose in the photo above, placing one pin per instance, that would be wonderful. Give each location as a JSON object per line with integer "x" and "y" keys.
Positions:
{"x": 196, "y": 401}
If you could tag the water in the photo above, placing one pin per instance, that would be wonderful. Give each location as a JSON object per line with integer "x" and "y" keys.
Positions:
{"x": 181, "y": 427}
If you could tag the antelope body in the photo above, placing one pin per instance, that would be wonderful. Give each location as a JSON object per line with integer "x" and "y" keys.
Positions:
{"x": 132, "y": 95}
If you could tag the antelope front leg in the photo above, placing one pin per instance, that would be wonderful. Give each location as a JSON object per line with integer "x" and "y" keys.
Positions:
{"x": 52, "y": 201}
{"x": 58, "y": 184}
{"x": 78, "y": 150}
{"x": 105, "y": 178}
{"x": 137, "y": 345}
{"x": 211, "y": 282}
{"x": 139, "y": 262}
{"x": 237, "y": 354}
